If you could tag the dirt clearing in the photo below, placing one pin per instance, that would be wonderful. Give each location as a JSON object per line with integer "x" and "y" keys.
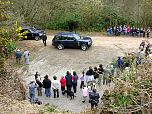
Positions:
{"x": 49, "y": 60}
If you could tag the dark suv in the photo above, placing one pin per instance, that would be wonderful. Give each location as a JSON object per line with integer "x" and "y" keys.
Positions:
{"x": 33, "y": 33}
{"x": 70, "y": 39}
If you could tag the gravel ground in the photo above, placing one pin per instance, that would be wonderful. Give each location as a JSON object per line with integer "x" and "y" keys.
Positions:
{"x": 49, "y": 60}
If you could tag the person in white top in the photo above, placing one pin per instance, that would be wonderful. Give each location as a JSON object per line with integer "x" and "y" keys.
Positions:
{"x": 55, "y": 87}
{"x": 26, "y": 56}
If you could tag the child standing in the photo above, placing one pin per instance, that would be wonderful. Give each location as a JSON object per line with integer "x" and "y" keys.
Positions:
{"x": 63, "y": 84}
{"x": 82, "y": 80}
{"x": 84, "y": 93}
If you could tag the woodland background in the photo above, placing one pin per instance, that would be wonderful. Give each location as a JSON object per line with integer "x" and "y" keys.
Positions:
{"x": 85, "y": 15}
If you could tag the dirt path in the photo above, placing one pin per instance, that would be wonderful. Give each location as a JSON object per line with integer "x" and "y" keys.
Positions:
{"x": 49, "y": 60}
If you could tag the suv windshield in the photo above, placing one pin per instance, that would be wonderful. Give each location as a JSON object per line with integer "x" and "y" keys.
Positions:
{"x": 77, "y": 36}
{"x": 33, "y": 29}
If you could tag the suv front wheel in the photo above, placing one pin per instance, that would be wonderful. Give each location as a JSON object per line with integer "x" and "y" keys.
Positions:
{"x": 84, "y": 47}
{"x": 37, "y": 38}
{"x": 60, "y": 46}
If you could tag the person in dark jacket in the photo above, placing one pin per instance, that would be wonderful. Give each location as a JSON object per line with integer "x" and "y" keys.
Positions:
{"x": 68, "y": 78}
{"x": 89, "y": 75}
{"x": 144, "y": 32}
{"x": 47, "y": 86}
{"x": 39, "y": 83}
{"x": 44, "y": 38}
{"x": 94, "y": 99}
{"x": 119, "y": 66}
{"x": 142, "y": 45}
{"x": 74, "y": 81}
{"x": 39, "y": 88}
{"x": 119, "y": 63}
{"x": 82, "y": 78}
{"x": 95, "y": 73}
{"x": 148, "y": 32}
{"x": 37, "y": 75}
{"x": 90, "y": 71}
{"x": 18, "y": 56}
{"x": 147, "y": 50}
{"x": 100, "y": 72}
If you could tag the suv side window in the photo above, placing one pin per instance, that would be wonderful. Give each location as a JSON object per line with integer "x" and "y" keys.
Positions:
{"x": 57, "y": 37}
{"x": 64, "y": 37}
{"x": 70, "y": 37}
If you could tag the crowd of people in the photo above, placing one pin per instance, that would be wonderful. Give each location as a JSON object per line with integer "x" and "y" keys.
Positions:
{"x": 68, "y": 85}
{"x": 128, "y": 31}
{"x": 88, "y": 82}
{"x": 101, "y": 75}
{"x": 145, "y": 50}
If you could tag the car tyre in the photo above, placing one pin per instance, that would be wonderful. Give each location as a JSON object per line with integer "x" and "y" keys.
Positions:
{"x": 84, "y": 47}
{"x": 60, "y": 46}
{"x": 37, "y": 38}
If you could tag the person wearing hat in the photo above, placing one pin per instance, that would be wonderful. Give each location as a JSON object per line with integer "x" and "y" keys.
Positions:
{"x": 18, "y": 56}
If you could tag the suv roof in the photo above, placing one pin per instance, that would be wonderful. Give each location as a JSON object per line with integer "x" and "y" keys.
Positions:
{"x": 26, "y": 27}
{"x": 65, "y": 33}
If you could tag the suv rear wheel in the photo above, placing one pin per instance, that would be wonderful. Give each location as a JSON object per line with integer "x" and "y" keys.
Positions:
{"x": 84, "y": 47}
{"x": 37, "y": 38}
{"x": 60, "y": 46}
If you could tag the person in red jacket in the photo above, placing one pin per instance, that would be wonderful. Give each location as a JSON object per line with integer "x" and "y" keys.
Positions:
{"x": 63, "y": 84}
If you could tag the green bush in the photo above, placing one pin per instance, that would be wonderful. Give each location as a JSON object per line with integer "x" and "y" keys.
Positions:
{"x": 10, "y": 47}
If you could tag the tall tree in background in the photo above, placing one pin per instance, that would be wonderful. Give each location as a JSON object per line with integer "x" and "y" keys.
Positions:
{"x": 84, "y": 14}
{"x": 147, "y": 13}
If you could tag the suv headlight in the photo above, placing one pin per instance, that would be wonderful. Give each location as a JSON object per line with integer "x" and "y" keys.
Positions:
{"x": 89, "y": 42}
{"x": 40, "y": 34}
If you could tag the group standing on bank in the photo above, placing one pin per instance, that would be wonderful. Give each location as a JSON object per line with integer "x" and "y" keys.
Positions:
{"x": 19, "y": 54}
{"x": 129, "y": 31}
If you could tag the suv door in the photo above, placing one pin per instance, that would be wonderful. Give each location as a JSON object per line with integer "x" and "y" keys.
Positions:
{"x": 71, "y": 41}
{"x": 56, "y": 40}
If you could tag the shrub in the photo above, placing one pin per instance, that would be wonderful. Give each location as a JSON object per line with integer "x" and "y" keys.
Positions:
{"x": 10, "y": 46}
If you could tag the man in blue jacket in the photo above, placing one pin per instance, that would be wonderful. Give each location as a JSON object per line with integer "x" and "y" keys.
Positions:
{"x": 18, "y": 56}
{"x": 119, "y": 66}
{"x": 32, "y": 87}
